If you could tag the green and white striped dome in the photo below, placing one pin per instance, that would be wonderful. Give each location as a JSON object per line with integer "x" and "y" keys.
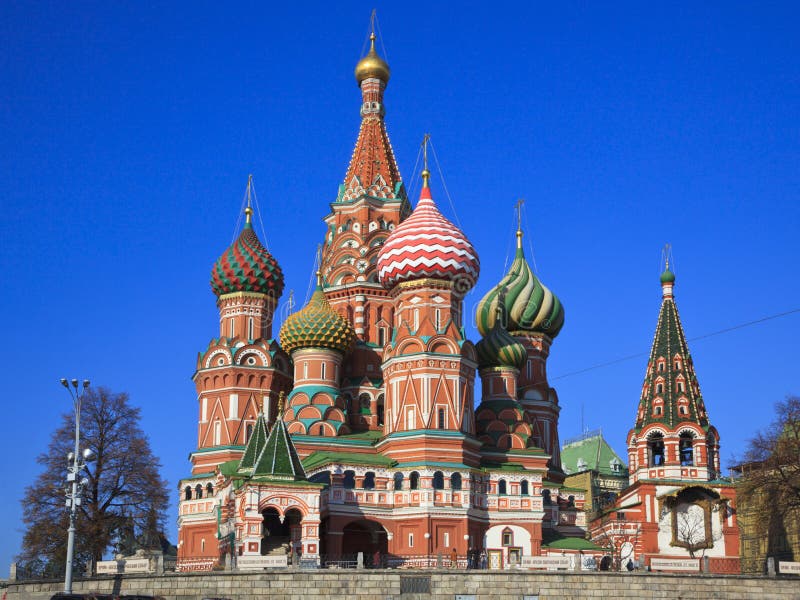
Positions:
{"x": 531, "y": 307}
{"x": 499, "y": 348}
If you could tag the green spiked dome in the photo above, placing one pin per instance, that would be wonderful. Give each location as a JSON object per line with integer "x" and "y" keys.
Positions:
{"x": 246, "y": 266}
{"x": 499, "y": 348}
{"x": 531, "y": 307}
{"x": 317, "y": 326}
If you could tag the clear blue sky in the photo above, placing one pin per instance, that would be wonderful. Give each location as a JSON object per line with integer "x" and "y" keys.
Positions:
{"x": 127, "y": 131}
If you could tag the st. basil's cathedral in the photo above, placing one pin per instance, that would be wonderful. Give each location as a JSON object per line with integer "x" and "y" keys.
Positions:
{"x": 356, "y": 430}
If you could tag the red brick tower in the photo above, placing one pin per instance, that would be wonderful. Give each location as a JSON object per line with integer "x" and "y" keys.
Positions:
{"x": 244, "y": 366}
{"x": 370, "y": 204}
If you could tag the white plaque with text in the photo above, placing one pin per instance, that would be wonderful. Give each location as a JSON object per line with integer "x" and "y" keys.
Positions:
{"x": 545, "y": 562}
{"x": 246, "y": 563}
{"x": 788, "y": 568}
{"x": 675, "y": 564}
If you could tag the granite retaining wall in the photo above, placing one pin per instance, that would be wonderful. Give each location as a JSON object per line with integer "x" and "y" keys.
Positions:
{"x": 286, "y": 584}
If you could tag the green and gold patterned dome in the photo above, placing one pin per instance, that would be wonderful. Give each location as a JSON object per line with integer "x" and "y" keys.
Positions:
{"x": 317, "y": 325}
{"x": 499, "y": 348}
{"x": 531, "y": 307}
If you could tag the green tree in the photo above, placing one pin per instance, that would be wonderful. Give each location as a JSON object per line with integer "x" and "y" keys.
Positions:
{"x": 124, "y": 496}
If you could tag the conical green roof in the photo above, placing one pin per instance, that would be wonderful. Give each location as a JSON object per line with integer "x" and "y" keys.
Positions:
{"x": 255, "y": 444}
{"x": 278, "y": 459}
{"x": 671, "y": 393}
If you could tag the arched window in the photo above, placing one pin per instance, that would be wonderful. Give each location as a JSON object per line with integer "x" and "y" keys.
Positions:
{"x": 380, "y": 410}
{"x": 414, "y": 481}
{"x": 349, "y": 481}
{"x": 321, "y": 430}
{"x": 248, "y": 432}
{"x": 455, "y": 481}
{"x": 441, "y": 420}
{"x": 501, "y": 486}
{"x": 364, "y": 401}
{"x": 523, "y": 487}
{"x": 398, "y": 481}
{"x": 438, "y": 480}
{"x": 369, "y": 481}
{"x": 685, "y": 445}
{"x": 198, "y": 491}
{"x": 659, "y": 388}
{"x": 217, "y": 432}
{"x": 546, "y": 500}
{"x": 655, "y": 448}
{"x": 187, "y": 492}
{"x": 210, "y": 490}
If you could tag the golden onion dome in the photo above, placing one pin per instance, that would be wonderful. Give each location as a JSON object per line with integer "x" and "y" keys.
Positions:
{"x": 372, "y": 65}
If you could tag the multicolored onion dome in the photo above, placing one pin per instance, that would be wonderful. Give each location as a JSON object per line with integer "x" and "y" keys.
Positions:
{"x": 499, "y": 348}
{"x": 532, "y": 308}
{"x": 246, "y": 266}
{"x": 317, "y": 325}
{"x": 372, "y": 65}
{"x": 427, "y": 245}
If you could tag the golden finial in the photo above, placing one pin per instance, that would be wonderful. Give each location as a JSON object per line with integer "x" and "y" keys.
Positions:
{"x": 372, "y": 65}
{"x": 249, "y": 210}
{"x": 426, "y": 174}
{"x": 519, "y": 204}
{"x": 281, "y": 402}
{"x": 318, "y": 261}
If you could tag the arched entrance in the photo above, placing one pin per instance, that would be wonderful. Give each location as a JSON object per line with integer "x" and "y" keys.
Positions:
{"x": 364, "y": 536}
{"x": 280, "y": 535}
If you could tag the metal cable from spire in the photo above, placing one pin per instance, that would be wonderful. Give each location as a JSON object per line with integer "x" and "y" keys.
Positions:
{"x": 444, "y": 184}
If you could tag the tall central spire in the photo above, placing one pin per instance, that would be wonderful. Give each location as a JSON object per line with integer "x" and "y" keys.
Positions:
{"x": 373, "y": 168}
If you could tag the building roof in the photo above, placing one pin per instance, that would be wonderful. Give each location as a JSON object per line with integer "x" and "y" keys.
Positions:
{"x": 670, "y": 393}
{"x": 531, "y": 307}
{"x": 591, "y": 452}
{"x": 427, "y": 245}
{"x": 273, "y": 456}
{"x": 247, "y": 266}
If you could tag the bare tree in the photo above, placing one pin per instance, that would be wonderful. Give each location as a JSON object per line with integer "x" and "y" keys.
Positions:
{"x": 772, "y": 461}
{"x": 124, "y": 496}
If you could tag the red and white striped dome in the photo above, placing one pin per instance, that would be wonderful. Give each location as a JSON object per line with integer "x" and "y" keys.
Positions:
{"x": 428, "y": 245}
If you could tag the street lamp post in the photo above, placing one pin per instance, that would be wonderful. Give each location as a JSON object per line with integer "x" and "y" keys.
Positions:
{"x": 76, "y": 462}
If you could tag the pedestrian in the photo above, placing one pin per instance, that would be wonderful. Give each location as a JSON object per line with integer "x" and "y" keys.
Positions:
{"x": 629, "y": 565}
{"x": 482, "y": 560}
{"x": 376, "y": 560}
{"x": 453, "y": 559}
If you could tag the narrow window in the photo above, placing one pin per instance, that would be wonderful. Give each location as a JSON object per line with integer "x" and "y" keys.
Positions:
{"x": 659, "y": 388}
{"x": 369, "y": 481}
{"x": 198, "y": 491}
{"x": 438, "y": 480}
{"x": 441, "y": 419}
{"x": 210, "y": 490}
{"x": 680, "y": 386}
{"x": 398, "y": 481}
{"x": 321, "y": 430}
{"x": 250, "y": 328}
{"x": 446, "y": 539}
{"x": 248, "y": 432}
{"x": 455, "y": 481}
{"x": 381, "y": 336}
{"x": 523, "y": 487}
{"x": 438, "y": 318}
{"x": 529, "y": 369}
{"x": 501, "y": 486}
{"x": 305, "y": 370}
{"x": 217, "y": 433}
{"x": 322, "y": 371}
{"x": 411, "y": 418}
{"x": 187, "y": 493}
{"x": 414, "y": 481}
{"x": 410, "y": 540}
